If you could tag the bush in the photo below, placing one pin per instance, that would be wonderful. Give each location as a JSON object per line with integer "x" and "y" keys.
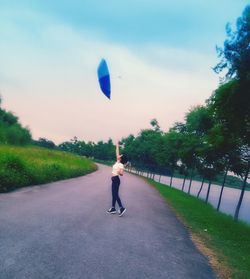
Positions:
{"x": 11, "y": 131}
{"x": 13, "y": 172}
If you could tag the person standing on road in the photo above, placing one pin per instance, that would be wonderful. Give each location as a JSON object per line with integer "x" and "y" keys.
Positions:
{"x": 117, "y": 171}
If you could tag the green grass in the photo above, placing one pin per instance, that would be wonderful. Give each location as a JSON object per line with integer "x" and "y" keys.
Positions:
{"x": 229, "y": 240}
{"x": 24, "y": 166}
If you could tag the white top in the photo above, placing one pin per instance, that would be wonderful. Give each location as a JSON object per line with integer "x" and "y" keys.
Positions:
{"x": 117, "y": 167}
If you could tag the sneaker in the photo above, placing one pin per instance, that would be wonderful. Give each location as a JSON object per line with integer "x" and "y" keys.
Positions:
{"x": 112, "y": 210}
{"x": 122, "y": 211}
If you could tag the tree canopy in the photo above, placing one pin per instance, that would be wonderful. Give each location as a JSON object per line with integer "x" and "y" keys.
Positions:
{"x": 11, "y": 131}
{"x": 235, "y": 56}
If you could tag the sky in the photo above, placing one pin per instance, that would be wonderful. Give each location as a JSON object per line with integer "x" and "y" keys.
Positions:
{"x": 160, "y": 55}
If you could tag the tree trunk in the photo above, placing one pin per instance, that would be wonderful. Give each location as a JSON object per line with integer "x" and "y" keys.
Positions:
{"x": 171, "y": 179}
{"x": 236, "y": 215}
{"x": 191, "y": 179}
{"x": 221, "y": 190}
{"x": 208, "y": 190}
{"x": 202, "y": 183}
{"x": 159, "y": 178}
{"x": 183, "y": 184}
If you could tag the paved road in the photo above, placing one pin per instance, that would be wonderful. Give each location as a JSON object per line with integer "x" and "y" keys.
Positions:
{"x": 62, "y": 231}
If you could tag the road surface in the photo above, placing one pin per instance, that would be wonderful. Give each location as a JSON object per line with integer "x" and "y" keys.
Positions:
{"x": 62, "y": 231}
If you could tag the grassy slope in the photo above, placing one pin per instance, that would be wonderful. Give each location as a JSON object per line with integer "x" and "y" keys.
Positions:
{"x": 229, "y": 240}
{"x": 23, "y": 166}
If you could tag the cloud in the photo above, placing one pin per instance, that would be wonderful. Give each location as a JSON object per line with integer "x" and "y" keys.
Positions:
{"x": 56, "y": 93}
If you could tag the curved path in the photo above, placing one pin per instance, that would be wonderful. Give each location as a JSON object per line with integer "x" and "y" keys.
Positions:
{"x": 62, "y": 231}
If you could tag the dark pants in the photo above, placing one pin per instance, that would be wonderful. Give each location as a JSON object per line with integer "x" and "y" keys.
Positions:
{"x": 115, "y": 190}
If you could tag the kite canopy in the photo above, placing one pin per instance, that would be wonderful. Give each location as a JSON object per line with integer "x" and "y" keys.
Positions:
{"x": 104, "y": 78}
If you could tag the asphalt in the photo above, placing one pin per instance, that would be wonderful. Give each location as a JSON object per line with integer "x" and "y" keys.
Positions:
{"x": 62, "y": 231}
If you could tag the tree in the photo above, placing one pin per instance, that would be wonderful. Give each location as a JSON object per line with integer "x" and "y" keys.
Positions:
{"x": 230, "y": 104}
{"x": 246, "y": 162}
{"x": 210, "y": 163}
{"x": 43, "y": 142}
{"x": 231, "y": 101}
{"x": 169, "y": 155}
{"x": 155, "y": 125}
{"x": 184, "y": 171}
{"x": 144, "y": 149}
{"x": 199, "y": 121}
{"x": 148, "y": 148}
{"x": 227, "y": 148}
{"x": 235, "y": 56}
{"x": 11, "y": 131}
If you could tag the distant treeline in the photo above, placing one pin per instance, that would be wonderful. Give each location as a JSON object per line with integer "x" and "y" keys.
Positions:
{"x": 101, "y": 150}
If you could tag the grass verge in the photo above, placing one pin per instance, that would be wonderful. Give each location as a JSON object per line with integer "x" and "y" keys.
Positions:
{"x": 24, "y": 166}
{"x": 225, "y": 242}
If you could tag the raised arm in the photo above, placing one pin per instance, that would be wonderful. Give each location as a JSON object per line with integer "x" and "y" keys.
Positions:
{"x": 117, "y": 151}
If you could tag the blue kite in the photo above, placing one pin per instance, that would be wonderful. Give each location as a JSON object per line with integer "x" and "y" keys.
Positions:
{"x": 104, "y": 78}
